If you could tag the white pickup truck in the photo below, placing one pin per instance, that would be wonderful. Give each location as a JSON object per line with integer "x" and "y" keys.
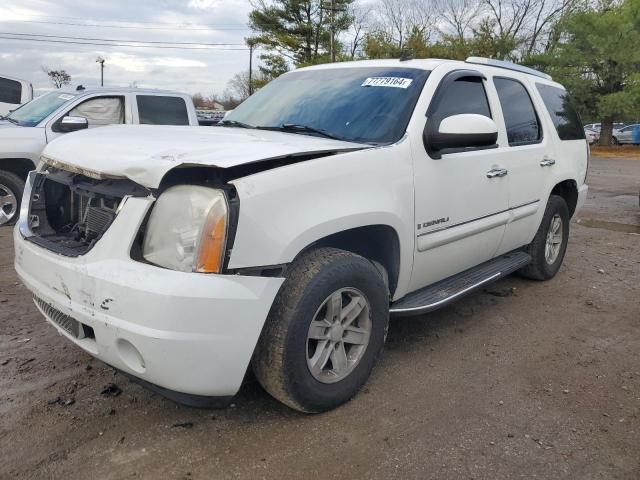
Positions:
{"x": 334, "y": 197}
{"x": 13, "y": 93}
{"x": 25, "y": 131}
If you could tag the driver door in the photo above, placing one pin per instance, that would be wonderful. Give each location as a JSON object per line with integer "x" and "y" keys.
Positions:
{"x": 99, "y": 111}
{"x": 461, "y": 200}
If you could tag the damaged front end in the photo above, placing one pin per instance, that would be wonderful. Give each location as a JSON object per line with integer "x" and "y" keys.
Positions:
{"x": 69, "y": 212}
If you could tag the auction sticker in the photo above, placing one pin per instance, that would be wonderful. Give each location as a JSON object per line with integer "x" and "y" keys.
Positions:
{"x": 393, "y": 82}
{"x": 64, "y": 96}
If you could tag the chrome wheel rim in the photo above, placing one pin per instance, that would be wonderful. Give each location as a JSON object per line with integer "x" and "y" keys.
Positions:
{"x": 8, "y": 204}
{"x": 554, "y": 240}
{"x": 338, "y": 335}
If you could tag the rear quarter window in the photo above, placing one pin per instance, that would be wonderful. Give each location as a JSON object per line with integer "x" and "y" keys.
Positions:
{"x": 10, "y": 91}
{"x": 161, "y": 110}
{"x": 564, "y": 115}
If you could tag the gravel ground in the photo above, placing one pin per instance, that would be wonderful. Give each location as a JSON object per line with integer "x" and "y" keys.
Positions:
{"x": 521, "y": 380}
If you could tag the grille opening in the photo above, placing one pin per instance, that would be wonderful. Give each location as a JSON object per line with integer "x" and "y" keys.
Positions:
{"x": 69, "y": 324}
{"x": 69, "y": 212}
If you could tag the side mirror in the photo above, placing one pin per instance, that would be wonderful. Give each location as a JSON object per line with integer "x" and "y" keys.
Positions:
{"x": 460, "y": 132}
{"x": 71, "y": 124}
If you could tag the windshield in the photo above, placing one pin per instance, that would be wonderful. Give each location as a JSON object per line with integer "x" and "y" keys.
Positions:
{"x": 32, "y": 113}
{"x": 366, "y": 105}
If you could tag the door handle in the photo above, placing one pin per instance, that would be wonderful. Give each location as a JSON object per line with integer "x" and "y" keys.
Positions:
{"x": 547, "y": 162}
{"x": 497, "y": 172}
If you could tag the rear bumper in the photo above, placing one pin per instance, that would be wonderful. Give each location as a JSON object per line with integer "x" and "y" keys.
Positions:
{"x": 582, "y": 197}
{"x": 185, "y": 332}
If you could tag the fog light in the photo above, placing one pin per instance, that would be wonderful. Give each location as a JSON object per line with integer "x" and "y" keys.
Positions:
{"x": 130, "y": 355}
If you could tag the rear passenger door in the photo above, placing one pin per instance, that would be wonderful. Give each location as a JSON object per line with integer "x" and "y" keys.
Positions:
{"x": 526, "y": 151}
{"x": 161, "y": 110}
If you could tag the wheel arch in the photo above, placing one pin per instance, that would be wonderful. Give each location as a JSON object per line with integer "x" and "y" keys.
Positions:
{"x": 378, "y": 243}
{"x": 18, "y": 166}
{"x": 568, "y": 190}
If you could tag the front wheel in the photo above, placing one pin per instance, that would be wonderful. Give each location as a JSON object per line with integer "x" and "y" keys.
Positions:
{"x": 550, "y": 243}
{"x": 325, "y": 331}
{"x": 11, "y": 187}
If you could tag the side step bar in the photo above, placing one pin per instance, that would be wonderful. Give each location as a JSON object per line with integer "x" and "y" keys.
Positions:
{"x": 450, "y": 289}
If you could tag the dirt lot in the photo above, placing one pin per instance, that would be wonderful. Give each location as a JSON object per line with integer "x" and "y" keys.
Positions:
{"x": 522, "y": 380}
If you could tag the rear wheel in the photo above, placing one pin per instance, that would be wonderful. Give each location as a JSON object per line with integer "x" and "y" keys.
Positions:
{"x": 11, "y": 187}
{"x": 325, "y": 331}
{"x": 550, "y": 243}
{"x": 614, "y": 141}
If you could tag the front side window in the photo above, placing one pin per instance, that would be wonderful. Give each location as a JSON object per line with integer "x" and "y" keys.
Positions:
{"x": 370, "y": 105}
{"x": 519, "y": 114}
{"x": 465, "y": 95}
{"x": 10, "y": 91}
{"x": 161, "y": 110}
{"x": 100, "y": 111}
{"x": 564, "y": 115}
{"x": 32, "y": 113}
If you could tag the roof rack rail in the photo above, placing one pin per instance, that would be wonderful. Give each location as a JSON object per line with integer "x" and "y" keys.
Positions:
{"x": 507, "y": 65}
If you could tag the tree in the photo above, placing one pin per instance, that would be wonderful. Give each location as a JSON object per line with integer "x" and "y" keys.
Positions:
{"x": 58, "y": 78}
{"x": 300, "y": 30}
{"x": 598, "y": 61}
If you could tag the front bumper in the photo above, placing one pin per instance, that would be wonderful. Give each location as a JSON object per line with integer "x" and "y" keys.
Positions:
{"x": 186, "y": 332}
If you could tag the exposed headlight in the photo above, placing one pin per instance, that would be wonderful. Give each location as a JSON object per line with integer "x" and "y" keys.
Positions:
{"x": 187, "y": 230}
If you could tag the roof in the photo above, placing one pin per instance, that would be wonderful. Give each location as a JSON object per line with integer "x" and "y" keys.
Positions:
{"x": 120, "y": 90}
{"x": 432, "y": 63}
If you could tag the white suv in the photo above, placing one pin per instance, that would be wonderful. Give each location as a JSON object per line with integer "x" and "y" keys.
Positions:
{"x": 335, "y": 196}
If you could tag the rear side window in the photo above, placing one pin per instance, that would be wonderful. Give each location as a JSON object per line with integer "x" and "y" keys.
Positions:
{"x": 564, "y": 115}
{"x": 465, "y": 95}
{"x": 519, "y": 114}
{"x": 159, "y": 110}
{"x": 10, "y": 91}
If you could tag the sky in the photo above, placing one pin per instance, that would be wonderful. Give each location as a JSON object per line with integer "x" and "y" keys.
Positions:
{"x": 205, "y": 70}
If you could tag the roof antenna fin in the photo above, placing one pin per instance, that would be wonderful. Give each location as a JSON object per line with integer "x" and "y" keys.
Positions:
{"x": 405, "y": 55}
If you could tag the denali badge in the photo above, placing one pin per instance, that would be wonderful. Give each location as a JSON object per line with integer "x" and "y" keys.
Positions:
{"x": 433, "y": 222}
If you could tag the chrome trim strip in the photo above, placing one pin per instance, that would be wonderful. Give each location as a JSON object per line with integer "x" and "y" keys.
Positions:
{"x": 448, "y": 299}
{"x": 476, "y": 219}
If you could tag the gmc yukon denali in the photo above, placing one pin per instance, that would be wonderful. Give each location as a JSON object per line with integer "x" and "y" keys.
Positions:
{"x": 283, "y": 240}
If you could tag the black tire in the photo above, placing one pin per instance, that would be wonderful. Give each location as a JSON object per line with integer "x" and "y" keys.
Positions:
{"x": 540, "y": 268}
{"x": 614, "y": 141}
{"x": 280, "y": 359}
{"x": 10, "y": 182}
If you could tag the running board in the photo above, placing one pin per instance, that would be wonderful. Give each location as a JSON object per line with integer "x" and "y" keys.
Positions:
{"x": 450, "y": 289}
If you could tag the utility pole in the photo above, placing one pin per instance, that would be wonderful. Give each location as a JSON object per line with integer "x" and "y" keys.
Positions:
{"x": 333, "y": 31}
{"x": 330, "y": 5}
{"x": 101, "y": 61}
{"x": 250, "y": 42}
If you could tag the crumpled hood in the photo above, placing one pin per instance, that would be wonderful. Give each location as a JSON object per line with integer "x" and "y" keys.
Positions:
{"x": 145, "y": 153}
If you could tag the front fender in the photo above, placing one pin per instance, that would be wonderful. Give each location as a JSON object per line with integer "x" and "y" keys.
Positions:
{"x": 284, "y": 210}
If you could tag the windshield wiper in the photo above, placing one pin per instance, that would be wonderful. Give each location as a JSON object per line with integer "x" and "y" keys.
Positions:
{"x": 9, "y": 119}
{"x": 295, "y": 128}
{"x": 235, "y": 123}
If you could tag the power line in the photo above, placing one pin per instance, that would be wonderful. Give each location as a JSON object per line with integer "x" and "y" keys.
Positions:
{"x": 148, "y": 23}
{"x": 183, "y": 28}
{"x": 119, "y": 40}
{"x": 204, "y": 47}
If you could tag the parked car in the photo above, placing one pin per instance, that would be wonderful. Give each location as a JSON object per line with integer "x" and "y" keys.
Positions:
{"x": 592, "y": 135}
{"x": 210, "y": 117}
{"x": 13, "y": 93}
{"x": 597, "y": 126}
{"x": 26, "y": 130}
{"x": 623, "y": 135}
{"x": 334, "y": 197}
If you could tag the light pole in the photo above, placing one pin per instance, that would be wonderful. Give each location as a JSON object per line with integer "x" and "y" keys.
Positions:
{"x": 101, "y": 61}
